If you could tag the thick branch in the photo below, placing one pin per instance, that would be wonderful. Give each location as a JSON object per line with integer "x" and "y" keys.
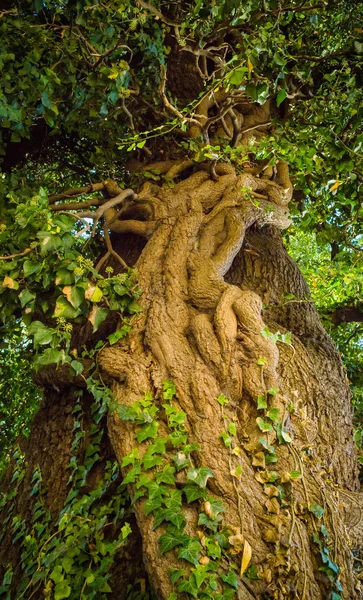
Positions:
{"x": 88, "y": 189}
{"x": 347, "y": 314}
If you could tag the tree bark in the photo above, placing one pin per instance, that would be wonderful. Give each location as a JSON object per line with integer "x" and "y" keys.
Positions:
{"x": 214, "y": 274}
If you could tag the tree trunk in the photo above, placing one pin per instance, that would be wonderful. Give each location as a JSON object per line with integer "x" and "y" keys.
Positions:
{"x": 214, "y": 274}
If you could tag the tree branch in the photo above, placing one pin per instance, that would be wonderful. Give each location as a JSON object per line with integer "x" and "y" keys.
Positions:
{"x": 157, "y": 13}
{"x": 70, "y": 193}
{"x": 347, "y": 314}
{"x": 24, "y": 253}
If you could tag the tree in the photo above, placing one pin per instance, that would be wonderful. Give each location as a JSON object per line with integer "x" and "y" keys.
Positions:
{"x": 156, "y": 289}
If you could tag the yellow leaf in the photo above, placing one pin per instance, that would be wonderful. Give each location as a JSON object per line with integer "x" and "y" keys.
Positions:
{"x": 246, "y": 557}
{"x": 250, "y": 66}
{"x": 335, "y": 186}
{"x": 208, "y": 509}
{"x": 8, "y": 282}
{"x": 67, "y": 292}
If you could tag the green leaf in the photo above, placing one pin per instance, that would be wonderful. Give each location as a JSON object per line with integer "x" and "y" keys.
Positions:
{"x": 30, "y": 267}
{"x": 191, "y": 551}
{"x": 175, "y": 574}
{"x": 227, "y": 440}
{"x": 147, "y": 431}
{"x": 263, "y": 425}
{"x": 76, "y": 296}
{"x": 317, "y": 510}
{"x": 166, "y": 475}
{"x": 50, "y": 356}
{"x": 57, "y": 574}
{"x": 222, "y": 400}
{"x": 261, "y": 402}
{"x": 97, "y": 316}
{"x": 232, "y": 429}
{"x": 119, "y": 334}
{"x": 62, "y": 590}
{"x": 199, "y": 476}
{"x": 273, "y": 414}
{"x": 42, "y": 334}
{"x": 281, "y": 97}
{"x": 168, "y": 541}
{"x": 134, "y": 308}
{"x": 77, "y": 366}
{"x": 231, "y": 578}
{"x": 238, "y": 76}
{"x": 192, "y": 493}
{"x": 25, "y": 297}
{"x": 64, "y": 309}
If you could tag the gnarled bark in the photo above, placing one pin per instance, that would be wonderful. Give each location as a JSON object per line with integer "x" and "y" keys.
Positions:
{"x": 213, "y": 275}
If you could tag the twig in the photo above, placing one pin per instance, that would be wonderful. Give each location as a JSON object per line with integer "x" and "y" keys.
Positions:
{"x": 157, "y": 13}
{"x": 108, "y": 52}
{"x": 126, "y": 110}
{"x": 168, "y": 104}
{"x": 111, "y": 250}
{"x": 24, "y": 253}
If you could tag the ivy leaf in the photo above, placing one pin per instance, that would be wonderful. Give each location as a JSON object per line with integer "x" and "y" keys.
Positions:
{"x": 281, "y": 97}
{"x": 317, "y": 510}
{"x": 199, "y": 476}
{"x": 261, "y": 402}
{"x": 62, "y": 590}
{"x": 64, "y": 309}
{"x": 50, "y": 357}
{"x": 166, "y": 475}
{"x": 30, "y": 267}
{"x": 263, "y": 425}
{"x": 152, "y": 504}
{"x": 231, "y": 578}
{"x": 57, "y": 575}
{"x": 193, "y": 493}
{"x": 42, "y": 334}
{"x": 222, "y": 400}
{"x": 149, "y": 461}
{"x": 273, "y": 414}
{"x": 25, "y": 297}
{"x": 168, "y": 541}
{"x": 175, "y": 574}
{"x": 148, "y": 431}
{"x": 97, "y": 316}
{"x": 191, "y": 551}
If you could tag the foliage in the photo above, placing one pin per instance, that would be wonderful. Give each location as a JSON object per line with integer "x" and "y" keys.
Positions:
{"x": 91, "y": 86}
{"x": 69, "y": 557}
{"x": 19, "y": 397}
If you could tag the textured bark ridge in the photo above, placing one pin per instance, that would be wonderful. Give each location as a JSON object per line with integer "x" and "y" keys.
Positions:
{"x": 214, "y": 273}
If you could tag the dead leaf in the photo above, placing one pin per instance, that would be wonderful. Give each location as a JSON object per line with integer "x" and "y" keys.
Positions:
{"x": 204, "y": 560}
{"x": 270, "y": 534}
{"x": 335, "y": 186}
{"x": 259, "y": 460}
{"x": 236, "y": 541}
{"x": 67, "y": 292}
{"x": 271, "y": 490}
{"x": 273, "y": 505}
{"x": 246, "y": 557}
{"x": 208, "y": 509}
{"x": 9, "y": 283}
